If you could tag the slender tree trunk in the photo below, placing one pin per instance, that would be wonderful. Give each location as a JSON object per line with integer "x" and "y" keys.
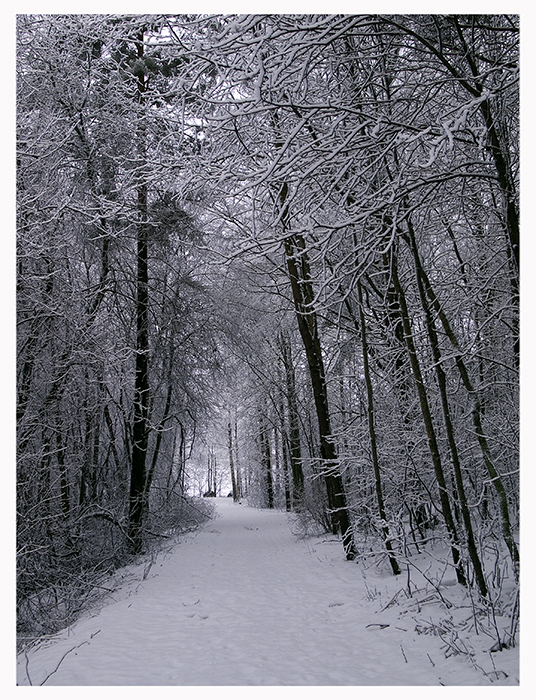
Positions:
{"x": 159, "y": 433}
{"x": 64, "y": 477}
{"x": 442, "y": 383}
{"x": 430, "y": 430}
{"x": 86, "y": 476}
{"x": 294, "y": 426}
{"x": 266, "y": 458}
{"x": 239, "y": 487}
{"x": 295, "y": 254}
{"x": 476, "y": 414}
{"x": 286, "y": 474}
{"x": 302, "y": 293}
{"x": 372, "y": 436}
{"x": 212, "y": 477}
{"x": 141, "y": 386}
{"x": 285, "y": 456}
{"x": 231, "y": 460}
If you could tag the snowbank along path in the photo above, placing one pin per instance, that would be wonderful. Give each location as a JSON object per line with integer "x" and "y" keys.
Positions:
{"x": 243, "y": 602}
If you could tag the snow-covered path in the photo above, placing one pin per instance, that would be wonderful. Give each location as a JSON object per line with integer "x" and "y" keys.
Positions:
{"x": 243, "y": 602}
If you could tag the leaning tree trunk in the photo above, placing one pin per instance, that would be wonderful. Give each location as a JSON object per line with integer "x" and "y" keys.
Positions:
{"x": 476, "y": 413}
{"x": 442, "y": 383}
{"x": 430, "y": 430}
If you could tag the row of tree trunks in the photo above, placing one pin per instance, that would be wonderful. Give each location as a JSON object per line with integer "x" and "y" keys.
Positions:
{"x": 476, "y": 413}
{"x": 449, "y": 428}
{"x": 428, "y": 421}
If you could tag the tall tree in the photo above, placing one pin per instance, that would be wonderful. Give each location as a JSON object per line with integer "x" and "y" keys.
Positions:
{"x": 140, "y": 428}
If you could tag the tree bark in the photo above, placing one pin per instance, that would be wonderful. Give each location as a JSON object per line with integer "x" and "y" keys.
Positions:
{"x": 302, "y": 292}
{"x": 237, "y": 461}
{"x": 442, "y": 383}
{"x": 231, "y": 460}
{"x": 159, "y": 431}
{"x": 294, "y": 427}
{"x": 476, "y": 413}
{"x": 430, "y": 430}
{"x": 372, "y": 437}
{"x": 266, "y": 459}
{"x": 138, "y": 503}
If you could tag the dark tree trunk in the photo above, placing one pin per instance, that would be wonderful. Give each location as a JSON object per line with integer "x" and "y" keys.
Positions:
{"x": 372, "y": 436}
{"x": 286, "y": 474}
{"x": 266, "y": 460}
{"x": 302, "y": 292}
{"x": 294, "y": 427}
{"x": 236, "y": 461}
{"x": 442, "y": 383}
{"x": 141, "y": 386}
{"x": 430, "y": 430}
{"x": 231, "y": 461}
{"x": 64, "y": 477}
{"x": 160, "y": 430}
{"x": 476, "y": 413}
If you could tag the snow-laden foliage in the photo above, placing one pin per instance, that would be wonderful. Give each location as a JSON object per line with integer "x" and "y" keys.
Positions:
{"x": 275, "y": 256}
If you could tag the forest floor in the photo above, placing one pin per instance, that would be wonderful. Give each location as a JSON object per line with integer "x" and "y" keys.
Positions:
{"x": 244, "y": 602}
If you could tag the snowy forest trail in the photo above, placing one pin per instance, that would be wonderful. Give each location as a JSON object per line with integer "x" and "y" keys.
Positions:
{"x": 244, "y": 602}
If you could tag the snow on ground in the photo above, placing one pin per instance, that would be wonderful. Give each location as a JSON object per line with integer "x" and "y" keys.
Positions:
{"x": 243, "y": 602}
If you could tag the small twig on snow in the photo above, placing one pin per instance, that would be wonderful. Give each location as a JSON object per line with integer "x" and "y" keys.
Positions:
{"x": 27, "y": 667}
{"x": 61, "y": 660}
{"x": 394, "y": 599}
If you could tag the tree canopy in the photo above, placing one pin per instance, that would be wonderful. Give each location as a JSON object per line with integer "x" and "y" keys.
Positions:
{"x": 288, "y": 244}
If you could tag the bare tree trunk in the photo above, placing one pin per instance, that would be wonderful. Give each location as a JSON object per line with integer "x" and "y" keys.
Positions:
{"x": 140, "y": 428}
{"x": 231, "y": 461}
{"x": 430, "y": 430}
{"x": 302, "y": 291}
{"x": 442, "y": 383}
{"x": 239, "y": 485}
{"x": 476, "y": 413}
{"x": 285, "y": 454}
{"x": 266, "y": 459}
{"x": 294, "y": 427}
{"x": 160, "y": 430}
{"x": 372, "y": 436}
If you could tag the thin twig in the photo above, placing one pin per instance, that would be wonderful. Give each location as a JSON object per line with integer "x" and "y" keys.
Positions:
{"x": 27, "y": 667}
{"x": 60, "y": 661}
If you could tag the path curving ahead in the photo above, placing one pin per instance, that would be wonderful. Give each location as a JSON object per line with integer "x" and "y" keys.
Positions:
{"x": 243, "y": 602}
